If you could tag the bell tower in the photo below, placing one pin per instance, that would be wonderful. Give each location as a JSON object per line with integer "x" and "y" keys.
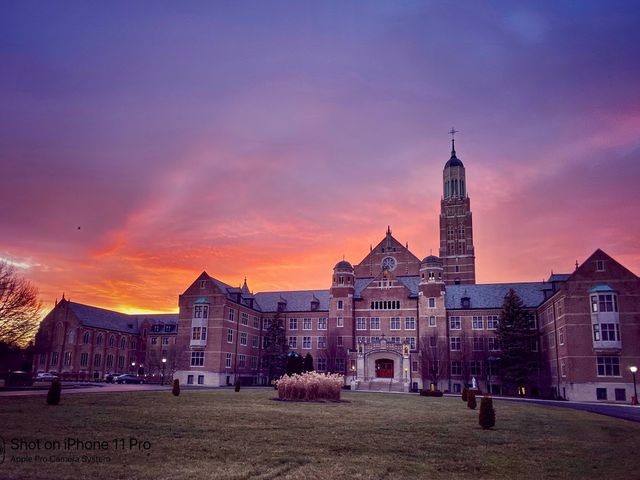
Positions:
{"x": 456, "y": 231}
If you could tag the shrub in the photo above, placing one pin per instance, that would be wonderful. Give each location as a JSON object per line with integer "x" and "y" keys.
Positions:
{"x": 465, "y": 394}
{"x": 471, "y": 402}
{"x": 176, "y": 387}
{"x": 487, "y": 417}
{"x": 430, "y": 393}
{"x": 53, "y": 395}
{"x": 237, "y": 386}
{"x": 310, "y": 386}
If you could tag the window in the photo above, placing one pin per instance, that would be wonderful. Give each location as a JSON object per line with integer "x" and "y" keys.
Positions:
{"x": 201, "y": 311}
{"x": 340, "y": 364}
{"x": 306, "y": 324}
{"x": 109, "y": 361}
{"x": 456, "y": 368}
{"x": 561, "y": 336}
{"x": 203, "y": 284}
{"x": 321, "y": 363}
{"x": 322, "y": 324}
{"x": 340, "y": 322}
{"x": 254, "y": 341}
{"x": 477, "y": 323}
{"x": 227, "y": 361}
{"x": 432, "y": 321}
{"x": 189, "y": 379}
{"x": 133, "y": 344}
{"x": 154, "y": 340}
{"x": 197, "y": 359}
{"x": 232, "y": 315}
{"x": 99, "y": 339}
{"x": 256, "y": 322}
{"x": 394, "y": 339}
{"x": 322, "y": 342}
{"x": 621, "y": 395}
{"x": 478, "y": 344}
{"x": 604, "y": 302}
{"x": 395, "y": 323}
{"x": 532, "y": 322}
{"x": 492, "y": 322}
{"x": 340, "y": 305}
{"x": 475, "y": 367}
{"x": 97, "y": 360}
{"x": 200, "y": 380}
{"x": 229, "y": 335}
{"x": 254, "y": 362}
{"x": 306, "y": 342}
{"x": 84, "y": 359}
{"x": 123, "y": 342}
{"x": 243, "y": 338}
{"x": 596, "y": 332}
{"x": 608, "y": 366}
{"x": 120, "y": 361}
{"x": 293, "y": 342}
{"x": 432, "y": 302}
{"x": 493, "y": 344}
{"x": 361, "y": 323}
{"x": 414, "y": 366}
{"x": 563, "y": 368}
{"x": 265, "y": 324}
{"x": 340, "y": 341}
{"x": 455, "y": 343}
{"x": 242, "y": 361}
{"x": 165, "y": 340}
{"x": 601, "y": 393}
{"x": 412, "y": 342}
{"x": 599, "y": 266}
{"x": 199, "y": 333}
{"x": 293, "y": 324}
{"x": 85, "y": 338}
{"x": 67, "y": 358}
{"x": 410, "y": 323}
{"x": 454, "y": 323}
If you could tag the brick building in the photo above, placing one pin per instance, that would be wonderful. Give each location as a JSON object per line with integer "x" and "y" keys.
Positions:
{"x": 395, "y": 322}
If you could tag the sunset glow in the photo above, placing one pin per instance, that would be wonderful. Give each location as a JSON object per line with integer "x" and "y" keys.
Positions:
{"x": 141, "y": 145}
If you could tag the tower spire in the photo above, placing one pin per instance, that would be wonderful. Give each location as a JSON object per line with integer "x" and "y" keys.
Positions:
{"x": 452, "y": 132}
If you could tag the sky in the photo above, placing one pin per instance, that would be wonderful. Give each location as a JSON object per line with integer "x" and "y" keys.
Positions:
{"x": 144, "y": 142}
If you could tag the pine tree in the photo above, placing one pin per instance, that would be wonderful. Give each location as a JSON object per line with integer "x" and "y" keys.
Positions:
{"x": 53, "y": 395}
{"x": 487, "y": 416}
{"x": 275, "y": 349}
{"x": 518, "y": 363}
{"x": 308, "y": 363}
{"x": 471, "y": 400}
{"x": 465, "y": 394}
{"x": 295, "y": 363}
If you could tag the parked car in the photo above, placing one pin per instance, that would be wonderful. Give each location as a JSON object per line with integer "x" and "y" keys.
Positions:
{"x": 45, "y": 377}
{"x": 128, "y": 378}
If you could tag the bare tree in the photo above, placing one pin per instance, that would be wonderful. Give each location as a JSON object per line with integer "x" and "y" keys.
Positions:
{"x": 433, "y": 359}
{"x": 334, "y": 352}
{"x": 19, "y": 307}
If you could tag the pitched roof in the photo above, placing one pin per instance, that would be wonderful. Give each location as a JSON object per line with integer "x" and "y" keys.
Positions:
{"x": 120, "y": 322}
{"x": 297, "y": 301}
{"x": 559, "y": 277}
{"x": 492, "y": 295}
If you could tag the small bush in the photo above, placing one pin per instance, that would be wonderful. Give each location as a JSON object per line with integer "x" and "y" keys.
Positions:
{"x": 471, "y": 401}
{"x": 53, "y": 395}
{"x": 465, "y": 394}
{"x": 176, "y": 387}
{"x": 487, "y": 416}
{"x": 430, "y": 393}
{"x": 237, "y": 386}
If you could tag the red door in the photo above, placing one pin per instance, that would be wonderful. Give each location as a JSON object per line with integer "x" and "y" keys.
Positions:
{"x": 384, "y": 368}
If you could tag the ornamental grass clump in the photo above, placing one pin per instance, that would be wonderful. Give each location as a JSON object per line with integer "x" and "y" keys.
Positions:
{"x": 310, "y": 387}
{"x": 487, "y": 417}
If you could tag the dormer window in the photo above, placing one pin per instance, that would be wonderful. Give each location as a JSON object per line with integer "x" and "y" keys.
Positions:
{"x": 314, "y": 306}
{"x": 466, "y": 302}
{"x": 281, "y": 306}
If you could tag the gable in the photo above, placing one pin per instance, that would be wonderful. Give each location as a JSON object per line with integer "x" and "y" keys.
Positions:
{"x": 371, "y": 265}
{"x": 589, "y": 269}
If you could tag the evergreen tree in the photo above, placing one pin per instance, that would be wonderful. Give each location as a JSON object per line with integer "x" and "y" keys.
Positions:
{"x": 295, "y": 363}
{"x": 487, "y": 417}
{"x": 275, "y": 349}
{"x": 518, "y": 362}
{"x": 176, "y": 387}
{"x": 53, "y": 395}
{"x": 308, "y": 363}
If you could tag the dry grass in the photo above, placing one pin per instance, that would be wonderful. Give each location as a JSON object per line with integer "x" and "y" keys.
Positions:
{"x": 247, "y": 435}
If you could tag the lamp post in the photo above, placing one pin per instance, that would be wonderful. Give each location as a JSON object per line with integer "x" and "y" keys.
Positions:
{"x": 133, "y": 366}
{"x": 634, "y": 399}
{"x": 406, "y": 376}
{"x": 164, "y": 362}
{"x": 353, "y": 371}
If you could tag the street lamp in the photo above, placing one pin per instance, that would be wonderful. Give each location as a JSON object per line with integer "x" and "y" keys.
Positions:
{"x": 133, "y": 366}
{"x": 164, "y": 362}
{"x": 353, "y": 371}
{"x": 406, "y": 376}
{"x": 634, "y": 400}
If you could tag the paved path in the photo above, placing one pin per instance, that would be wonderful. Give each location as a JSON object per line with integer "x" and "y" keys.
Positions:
{"x": 89, "y": 388}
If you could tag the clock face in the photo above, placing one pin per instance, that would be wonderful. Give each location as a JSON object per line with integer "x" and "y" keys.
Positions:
{"x": 388, "y": 263}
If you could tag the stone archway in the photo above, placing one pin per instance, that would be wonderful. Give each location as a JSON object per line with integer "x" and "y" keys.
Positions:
{"x": 384, "y": 368}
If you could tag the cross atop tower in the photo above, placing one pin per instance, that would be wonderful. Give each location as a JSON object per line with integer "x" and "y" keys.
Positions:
{"x": 453, "y": 132}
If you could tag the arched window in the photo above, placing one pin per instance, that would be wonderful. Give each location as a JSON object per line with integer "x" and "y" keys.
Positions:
{"x": 86, "y": 337}
{"x": 99, "y": 339}
{"x": 71, "y": 337}
{"x": 123, "y": 342}
{"x": 112, "y": 341}
{"x": 462, "y": 188}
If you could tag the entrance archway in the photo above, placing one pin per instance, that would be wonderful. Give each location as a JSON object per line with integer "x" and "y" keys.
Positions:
{"x": 384, "y": 368}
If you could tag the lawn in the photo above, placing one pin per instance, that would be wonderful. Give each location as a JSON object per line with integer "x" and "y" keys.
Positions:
{"x": 247, "y": 435}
